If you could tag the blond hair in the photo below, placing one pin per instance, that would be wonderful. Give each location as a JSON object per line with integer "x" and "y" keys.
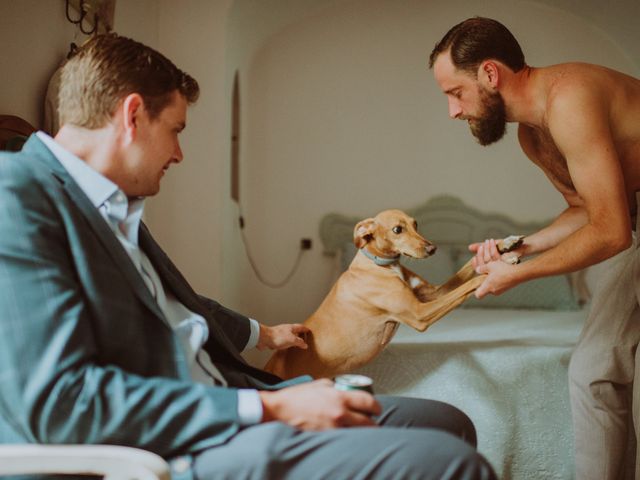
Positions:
{"x": 109, "y": 67}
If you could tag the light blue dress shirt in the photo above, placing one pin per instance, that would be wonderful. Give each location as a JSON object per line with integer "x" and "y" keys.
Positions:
{"x": 123, "y": 216}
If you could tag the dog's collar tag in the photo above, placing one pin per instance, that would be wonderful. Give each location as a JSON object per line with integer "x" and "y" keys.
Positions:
{"x": 381, "y": 261}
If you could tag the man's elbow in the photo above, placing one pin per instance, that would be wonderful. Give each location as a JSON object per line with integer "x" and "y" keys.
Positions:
{"x": 619, "y": 242}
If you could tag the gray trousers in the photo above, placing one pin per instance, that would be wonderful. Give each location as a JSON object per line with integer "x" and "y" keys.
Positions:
{"x": 417, "y": 439}
{"x": 603, "y": 373}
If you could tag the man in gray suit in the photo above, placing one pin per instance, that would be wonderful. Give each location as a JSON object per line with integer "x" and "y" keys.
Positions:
{"x": 103, "y": 341}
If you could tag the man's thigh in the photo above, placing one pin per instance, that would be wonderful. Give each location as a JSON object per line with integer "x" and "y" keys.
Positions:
{"x": 422, "y": 413}
{"x": 425, "y": 447}
{"x": 606, "y": 346}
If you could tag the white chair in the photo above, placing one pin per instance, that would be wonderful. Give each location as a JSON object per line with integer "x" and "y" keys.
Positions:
{"x": 111, "y": 462}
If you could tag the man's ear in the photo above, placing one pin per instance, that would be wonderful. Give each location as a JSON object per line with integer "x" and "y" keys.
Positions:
{"x": 363, "y": 232}
{"x": 132, "y": 108}
{"x": 489, "y": 74}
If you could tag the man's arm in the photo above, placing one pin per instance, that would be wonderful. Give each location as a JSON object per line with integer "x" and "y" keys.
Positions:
{"x": 570, "y": 220}
{"x": 235, "y": 325}
{"x": 240, "y": 330}
{"x": 578, "y": 120}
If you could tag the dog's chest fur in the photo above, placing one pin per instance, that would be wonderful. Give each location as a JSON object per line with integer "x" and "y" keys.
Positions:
{"x": 413, "y": 282}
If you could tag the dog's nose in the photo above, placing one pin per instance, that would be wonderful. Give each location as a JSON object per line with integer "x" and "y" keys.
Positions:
{"x": 430, "y": 249}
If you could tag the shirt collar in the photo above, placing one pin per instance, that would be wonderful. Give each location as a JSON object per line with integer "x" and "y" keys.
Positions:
{"x": 96, "y": 186}
{"x": 102, "y": 192}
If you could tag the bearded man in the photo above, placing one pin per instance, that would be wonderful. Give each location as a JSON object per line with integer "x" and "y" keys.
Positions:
{"x": 580, "y": 124}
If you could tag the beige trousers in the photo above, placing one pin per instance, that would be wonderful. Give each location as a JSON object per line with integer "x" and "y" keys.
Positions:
{"x": 604, "y": 373}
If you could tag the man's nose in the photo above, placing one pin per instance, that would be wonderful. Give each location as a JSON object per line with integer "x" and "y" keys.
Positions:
{"x": 454, "y": 109}
{"x": 177, "y": 155}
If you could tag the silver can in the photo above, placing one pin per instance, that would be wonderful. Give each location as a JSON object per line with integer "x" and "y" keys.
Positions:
{"x": 353, "y": 382}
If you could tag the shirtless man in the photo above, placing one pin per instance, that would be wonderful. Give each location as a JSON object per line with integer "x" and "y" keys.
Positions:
{"x": 580, "y": 124}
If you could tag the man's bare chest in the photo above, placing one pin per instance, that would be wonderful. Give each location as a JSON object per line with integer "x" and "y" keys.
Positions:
{"x": 551, "y": 161}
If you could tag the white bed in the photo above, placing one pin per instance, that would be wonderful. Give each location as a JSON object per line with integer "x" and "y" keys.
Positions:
{"x": 507, "y": 370}
{"x": 505, "y": 367}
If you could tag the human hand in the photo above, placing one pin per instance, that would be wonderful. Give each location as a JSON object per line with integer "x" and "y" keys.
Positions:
{"x": 510, "y": 249}
{"x": 318, "y": 405}
{"x": 499, "y": 273}
{"x": 282, "y": 336}
{"x": 485, "y": 252}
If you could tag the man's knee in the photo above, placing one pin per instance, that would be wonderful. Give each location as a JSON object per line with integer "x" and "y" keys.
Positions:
{"x": 422, "y": 413}
{"x": 440, "y": 456}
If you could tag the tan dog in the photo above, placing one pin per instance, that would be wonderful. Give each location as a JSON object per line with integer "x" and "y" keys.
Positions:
{"x": 362, "y": 311}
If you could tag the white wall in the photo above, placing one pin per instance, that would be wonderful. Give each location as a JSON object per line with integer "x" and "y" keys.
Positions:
{"x": 341, "y": 114}
{"x": 35, "y": 38}
{"x": 137, "y": 19}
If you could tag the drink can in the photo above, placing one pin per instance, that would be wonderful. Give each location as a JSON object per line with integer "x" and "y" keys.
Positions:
{"x": 353, "y": 382}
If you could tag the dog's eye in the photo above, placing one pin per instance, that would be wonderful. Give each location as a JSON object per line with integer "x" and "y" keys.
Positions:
{"x": 415, "y": 225}
{"x": 397, "y": 229}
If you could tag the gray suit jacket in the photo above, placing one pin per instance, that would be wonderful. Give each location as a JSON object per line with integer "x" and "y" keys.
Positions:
{"x": 86, "y": 355}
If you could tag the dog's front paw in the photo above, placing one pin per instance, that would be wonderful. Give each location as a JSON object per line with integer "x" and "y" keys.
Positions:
{"x": 511, "y": 258}
{"x": 510, "y": 243}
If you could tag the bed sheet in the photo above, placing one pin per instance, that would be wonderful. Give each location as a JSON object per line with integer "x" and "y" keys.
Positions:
{"x": 507, "y": 370}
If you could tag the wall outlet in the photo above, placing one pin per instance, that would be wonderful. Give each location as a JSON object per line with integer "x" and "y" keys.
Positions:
{"x": 305, "y": 244}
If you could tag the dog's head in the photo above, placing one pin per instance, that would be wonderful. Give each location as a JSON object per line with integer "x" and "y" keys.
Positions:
{"x": 390, "y": 233}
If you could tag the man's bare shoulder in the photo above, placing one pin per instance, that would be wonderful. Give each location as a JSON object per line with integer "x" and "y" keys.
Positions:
{"x": 586, "y": 102}
{"x": 571, "y": 80}
{"x": 565, "y": 73}
{"x": 577, "y": 86}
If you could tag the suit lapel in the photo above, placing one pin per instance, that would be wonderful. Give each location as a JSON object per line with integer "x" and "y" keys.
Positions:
{"x": 178, "y": 285}
{"x": 224, "y": 350}
{"x": 168, "y": 273}
{"x": 98, "y": 224}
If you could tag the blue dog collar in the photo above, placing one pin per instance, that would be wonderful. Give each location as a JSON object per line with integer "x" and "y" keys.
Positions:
{"x": 381, "y": 261}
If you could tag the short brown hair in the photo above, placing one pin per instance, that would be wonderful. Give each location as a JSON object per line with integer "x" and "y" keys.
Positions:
{"x": 109, "y": 67}
{"x": 478, "y": 39}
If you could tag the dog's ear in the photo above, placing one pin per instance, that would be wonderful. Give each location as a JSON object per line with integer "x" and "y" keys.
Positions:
{"x": 363, "y": 232}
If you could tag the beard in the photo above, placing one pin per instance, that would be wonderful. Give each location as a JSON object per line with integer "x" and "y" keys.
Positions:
{"x": 491, "y": 124}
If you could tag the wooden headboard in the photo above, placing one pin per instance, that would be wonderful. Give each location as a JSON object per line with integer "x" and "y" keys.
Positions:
{"x": 14, "y": 132}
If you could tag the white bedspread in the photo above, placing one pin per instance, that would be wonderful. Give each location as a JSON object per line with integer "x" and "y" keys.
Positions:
{"x": 507, "y": 369}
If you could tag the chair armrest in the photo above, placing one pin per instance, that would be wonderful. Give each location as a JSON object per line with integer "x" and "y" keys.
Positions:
{"x": 112, "y": 462}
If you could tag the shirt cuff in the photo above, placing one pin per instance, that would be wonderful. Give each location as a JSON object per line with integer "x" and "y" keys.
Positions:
{"x": 254, "y": 335}
{"x": 249, "y": 407}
